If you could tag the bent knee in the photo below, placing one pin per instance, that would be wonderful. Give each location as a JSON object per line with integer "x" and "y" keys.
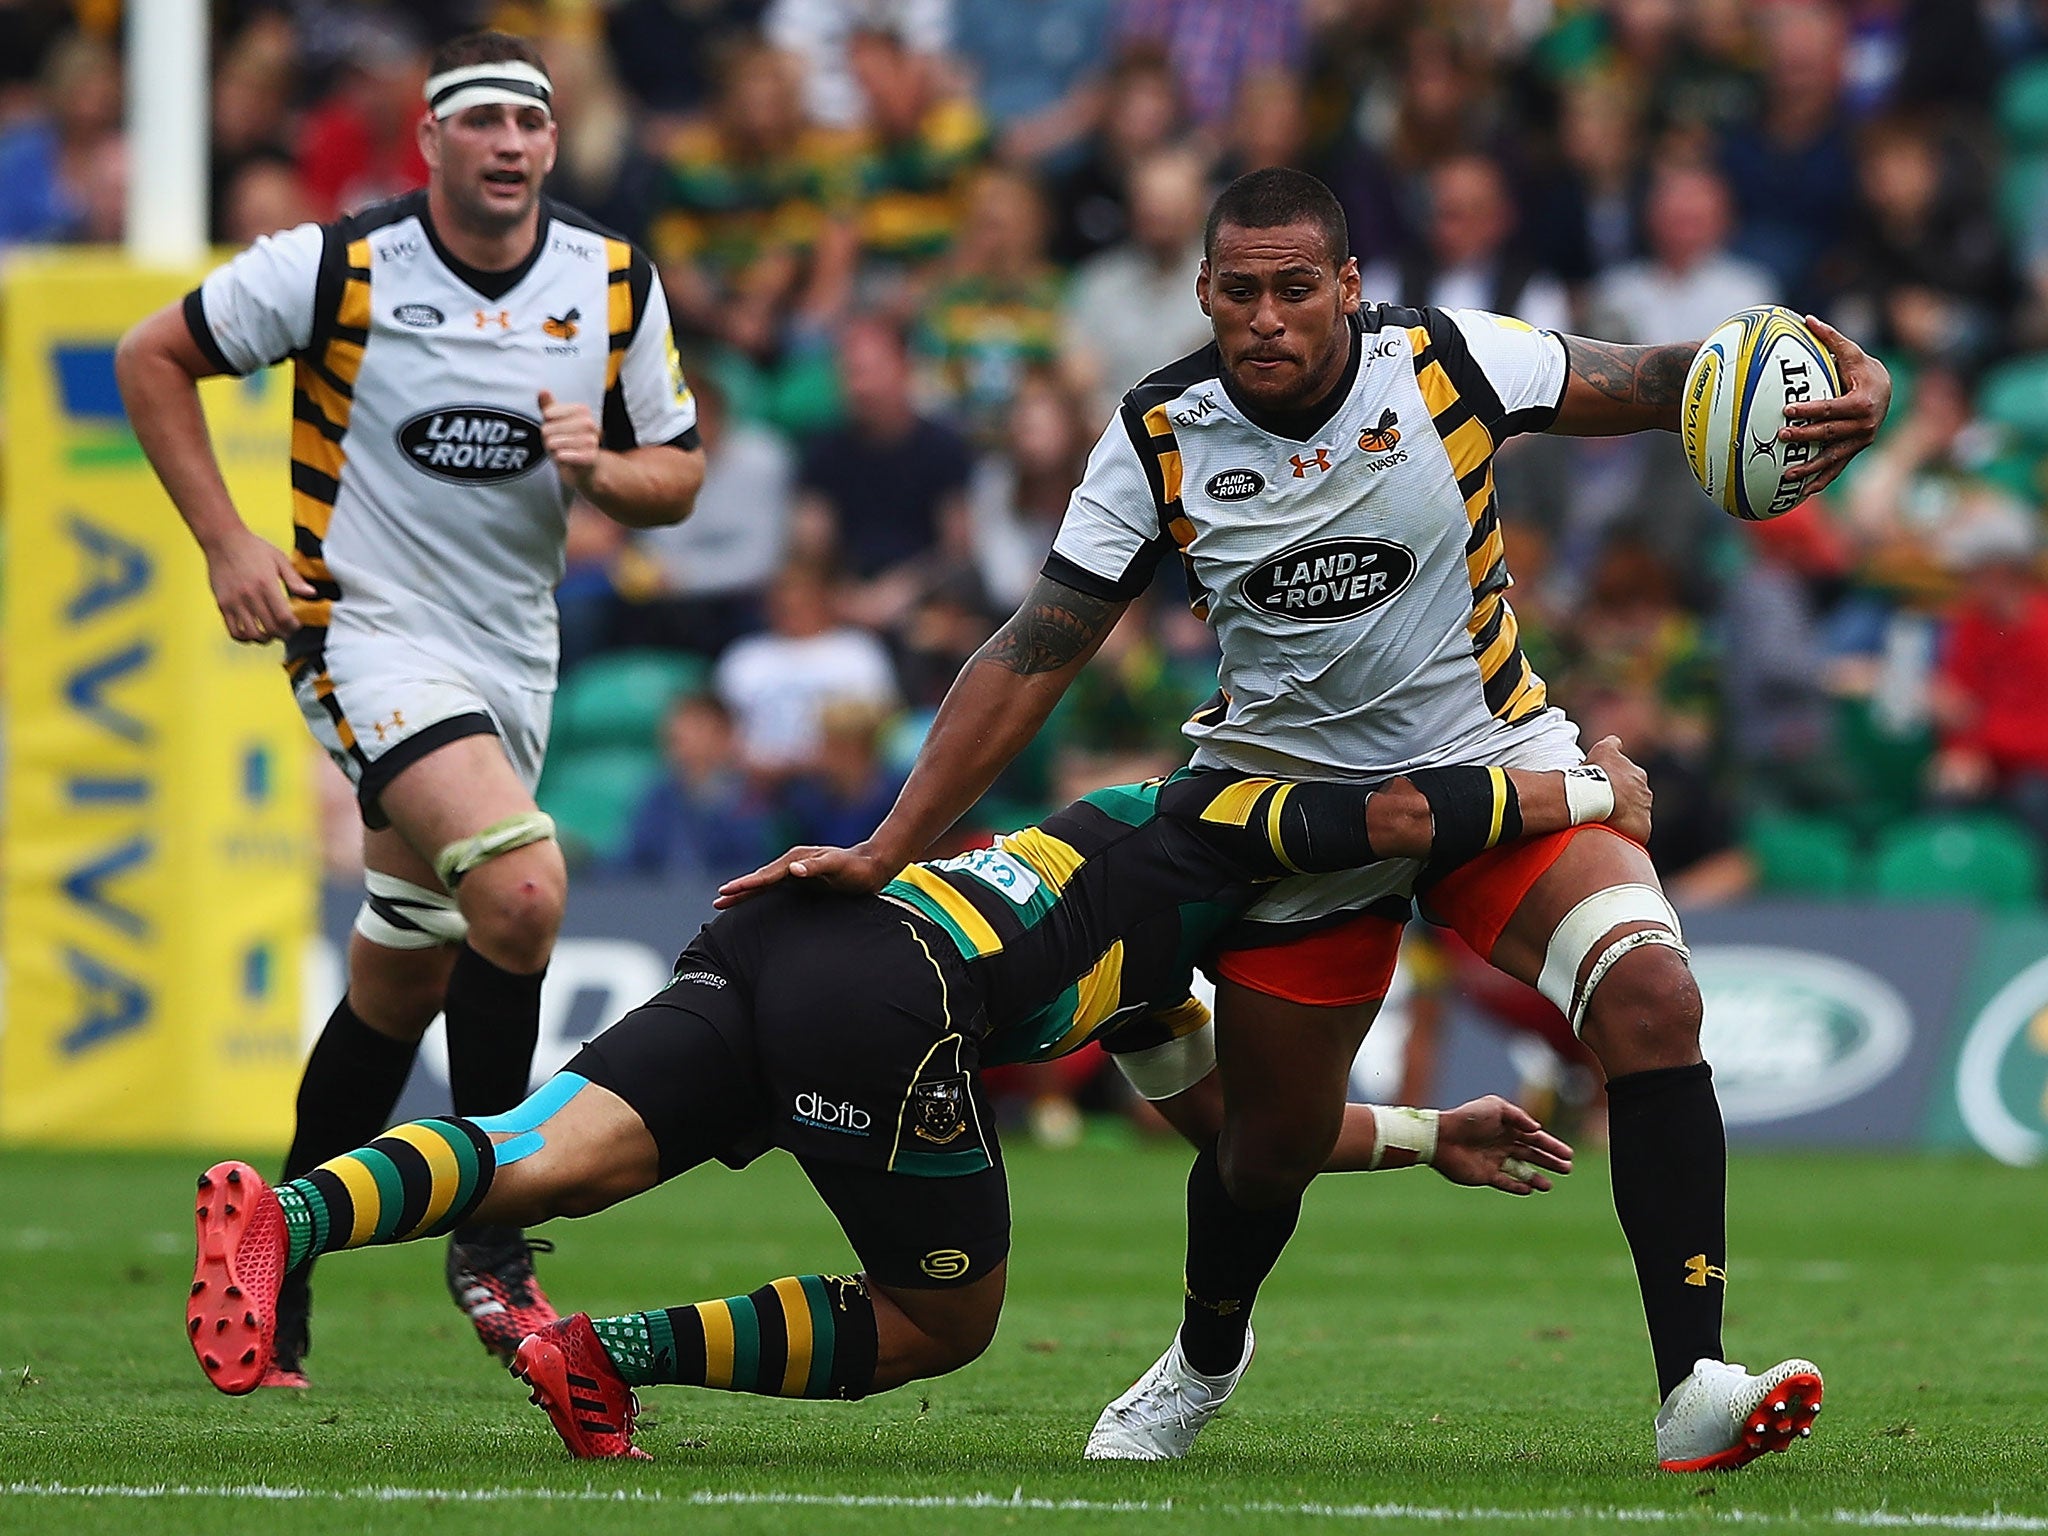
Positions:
{"x": 1646, "y": 1012}
{"x": 515, "y": 904}
{"x": 1268, "y": 1166}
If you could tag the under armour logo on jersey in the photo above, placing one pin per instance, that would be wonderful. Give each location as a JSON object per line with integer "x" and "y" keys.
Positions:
{"x": 395, "y": 723}
{"x": 1318, "y": 460}
{"x": 562, "y": 327}
{"x": 1698, "y": 1271}
{"x": 502, "y": 319}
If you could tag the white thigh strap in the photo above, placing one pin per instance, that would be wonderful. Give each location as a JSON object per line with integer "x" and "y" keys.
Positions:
{"x": 1586, "y": 925}
{"x": 1161, "y": 1071}
{"x": 400, "y": 915}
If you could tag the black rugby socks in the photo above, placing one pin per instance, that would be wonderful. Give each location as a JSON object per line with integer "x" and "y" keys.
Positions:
{"x": 1231, "y": 1250}
{"x": 351, "y": 1085}
{"x": 493, "y": 1021}
{"x": 1670, "y": 1171}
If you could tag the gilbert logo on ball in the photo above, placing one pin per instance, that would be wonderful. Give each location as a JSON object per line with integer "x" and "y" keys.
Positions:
{"x": 1754, "y": 365}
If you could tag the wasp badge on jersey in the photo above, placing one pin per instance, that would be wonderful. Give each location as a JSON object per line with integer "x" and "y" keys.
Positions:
{"x": 562, "y": 327}
{"x": 1330, "y": 579}
{"x": 1383, "y": 435}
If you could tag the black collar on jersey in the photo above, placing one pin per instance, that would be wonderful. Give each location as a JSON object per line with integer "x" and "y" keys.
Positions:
{"x": 1300, "y": 426}
{"x": 490, "y": 285}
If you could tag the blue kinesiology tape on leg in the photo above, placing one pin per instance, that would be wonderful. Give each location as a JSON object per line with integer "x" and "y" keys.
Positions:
{"x": 523, "y": 1122}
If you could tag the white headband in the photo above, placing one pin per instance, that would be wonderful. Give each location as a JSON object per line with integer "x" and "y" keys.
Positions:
{"x": 513, "y": 82}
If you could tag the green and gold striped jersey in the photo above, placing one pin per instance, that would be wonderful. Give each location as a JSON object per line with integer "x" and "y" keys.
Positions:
{"x": 1088, "y": 925}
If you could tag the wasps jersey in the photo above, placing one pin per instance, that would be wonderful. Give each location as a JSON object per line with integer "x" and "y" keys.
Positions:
{"x": 424, "y": 505}
{"x": 1355, "y": 579}
{"x": 1088, "y": 925}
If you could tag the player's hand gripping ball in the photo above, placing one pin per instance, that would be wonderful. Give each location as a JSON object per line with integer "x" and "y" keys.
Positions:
{"x": 1733, "y": 409}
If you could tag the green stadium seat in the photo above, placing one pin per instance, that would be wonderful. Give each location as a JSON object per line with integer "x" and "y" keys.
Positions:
{"x": 1802, "y": 855}
{"x": 2021, "y": 186}
{"x": 1886, "y": 770}
{"x": 2014, "y": 395}
{"x": 2023, "y": 108}
{"x": 1982, "y": 858}
{"x": 618, "y": 698}
{"x": 592, "y": 795}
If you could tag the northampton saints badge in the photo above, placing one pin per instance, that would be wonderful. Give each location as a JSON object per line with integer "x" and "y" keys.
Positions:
{"x": 939, "y": 1110}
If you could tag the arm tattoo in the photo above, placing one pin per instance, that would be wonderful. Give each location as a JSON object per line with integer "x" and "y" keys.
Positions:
{"x": 1652, "y": 376}
{"x": 1054, "y": 625}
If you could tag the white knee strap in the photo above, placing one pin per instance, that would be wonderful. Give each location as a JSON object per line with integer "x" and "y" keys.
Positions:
{"x": 401, "y": 915}
{"x": 1586, "y": 925}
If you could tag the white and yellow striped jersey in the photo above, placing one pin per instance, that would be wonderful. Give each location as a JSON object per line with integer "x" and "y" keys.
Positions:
{"x": 1355, "y": 577}
{"x": 425, "y": 508}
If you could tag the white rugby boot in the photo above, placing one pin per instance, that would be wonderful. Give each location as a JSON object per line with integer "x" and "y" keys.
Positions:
{"x": 1721, "y": 1417}
{"x": 1158, "y": 1419}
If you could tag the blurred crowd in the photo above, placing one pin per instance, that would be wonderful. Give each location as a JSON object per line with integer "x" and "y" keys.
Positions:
{"x": 916, "y": 249}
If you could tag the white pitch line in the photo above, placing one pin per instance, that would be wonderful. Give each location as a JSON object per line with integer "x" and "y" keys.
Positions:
{"x": 1865, "y": 1519}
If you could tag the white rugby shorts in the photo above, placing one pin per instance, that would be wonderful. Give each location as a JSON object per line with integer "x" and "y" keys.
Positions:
{"x": 379, "y": 703}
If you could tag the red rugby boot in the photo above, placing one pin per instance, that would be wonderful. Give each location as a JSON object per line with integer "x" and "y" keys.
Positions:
{"x": 574, "y": 1380}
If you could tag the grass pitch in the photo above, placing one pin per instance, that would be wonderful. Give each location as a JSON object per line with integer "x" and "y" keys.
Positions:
{"x": 1430, "y": 1359}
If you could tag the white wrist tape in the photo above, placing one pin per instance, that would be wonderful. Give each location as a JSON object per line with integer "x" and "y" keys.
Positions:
{"x": 1412, "y": 1130}
{"x": 1588, "y": 794}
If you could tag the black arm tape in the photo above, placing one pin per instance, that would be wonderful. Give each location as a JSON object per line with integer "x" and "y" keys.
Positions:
{"x": 1322, "y": 827}
{"x": 1471, "y": 809}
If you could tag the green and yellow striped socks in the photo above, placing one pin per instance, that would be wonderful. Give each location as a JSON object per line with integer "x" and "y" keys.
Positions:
{"x": 422, "y": 1179}
{"x": 806, "y": 1336}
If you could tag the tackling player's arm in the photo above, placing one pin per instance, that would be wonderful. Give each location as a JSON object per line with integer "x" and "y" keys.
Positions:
{"x": 158, "y": 366}
{"x": 1612, "y": 388}
{"x": 993, "y": 709}
{"x": 642, "y": 487}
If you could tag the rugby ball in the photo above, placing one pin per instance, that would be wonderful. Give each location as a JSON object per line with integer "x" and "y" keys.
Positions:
{"x": 1746, "y": 373}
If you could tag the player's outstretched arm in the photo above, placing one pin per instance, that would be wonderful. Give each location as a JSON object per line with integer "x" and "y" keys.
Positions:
{"x": 1612, "y": 388}
{"x": 994, "y": 707}
{"x": 1487, "y": 1143}
{"x": 158, "y": 367}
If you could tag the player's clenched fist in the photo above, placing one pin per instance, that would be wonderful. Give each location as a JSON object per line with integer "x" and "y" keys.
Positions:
{"x": 1631, "y": 814}
{"x": 569, "y": 433}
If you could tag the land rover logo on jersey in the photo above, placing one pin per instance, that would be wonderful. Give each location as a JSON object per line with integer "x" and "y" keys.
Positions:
{"x": 2002, "y": 1073}
{"x": 1330, "y": 579}
{"x": 421, "y": 317}
{"x": 1234, "y": 485}
{"x": 1790, "y": 1032}
{"x": 471, "y": 444}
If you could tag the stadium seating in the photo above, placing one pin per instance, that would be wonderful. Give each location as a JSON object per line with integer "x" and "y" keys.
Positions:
{"x": 1981, "y": 858}
{"x": 2015, "y": 396}
{"x": 618, "y": 699}
{"x": 1803, "y": 855}
{"x": 592, "y": 793}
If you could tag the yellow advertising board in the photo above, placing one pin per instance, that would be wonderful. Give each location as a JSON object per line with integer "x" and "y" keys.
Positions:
{"x": 160, "y": 861}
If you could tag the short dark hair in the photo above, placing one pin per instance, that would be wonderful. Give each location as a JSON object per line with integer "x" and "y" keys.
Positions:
{"x": 486, "y": 48}
{"x": 1278, "y": 196}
